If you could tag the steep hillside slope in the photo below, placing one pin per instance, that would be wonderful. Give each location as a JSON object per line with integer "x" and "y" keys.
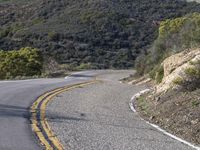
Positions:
{"x": 103, "y": 33}
{"x": 174, "y": 104}
{"x": 174, "y": 63}
{"x": 181, "y": 70}
{"x": 175, "y": 35}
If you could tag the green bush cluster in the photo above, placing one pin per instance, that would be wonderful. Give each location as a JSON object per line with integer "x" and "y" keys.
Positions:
{"x": 178, "y": 81}
{"x": 193, "y": 72}
{"x": 24, "y": 62}
{"x": 181, "y": 31}
{"x": 157, "y": 73}
{"x": 84, "y": 66}
{"x": 192, "y": 79}
{"x": 175, "y": 35}
{"x": 195, "y": 103}
{"x": 169, "y": 26}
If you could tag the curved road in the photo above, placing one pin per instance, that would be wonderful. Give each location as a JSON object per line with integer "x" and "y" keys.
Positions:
{"x": 107, "y": 120}
{"x": 15, "y": 100}
{"x": 98, "y": 117}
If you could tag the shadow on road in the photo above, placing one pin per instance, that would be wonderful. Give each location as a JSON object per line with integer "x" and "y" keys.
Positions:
{"x": 81, "y": 75}
{"x": 13, "y": 111}
{"x": 22, "y": 112}
{"x": 18, "y": 111}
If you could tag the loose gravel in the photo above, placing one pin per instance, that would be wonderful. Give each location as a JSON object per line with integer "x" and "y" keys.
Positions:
{"x": 98, "y": 117}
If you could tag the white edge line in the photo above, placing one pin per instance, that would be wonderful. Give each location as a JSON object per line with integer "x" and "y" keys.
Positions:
{"x": 131, "y": 104}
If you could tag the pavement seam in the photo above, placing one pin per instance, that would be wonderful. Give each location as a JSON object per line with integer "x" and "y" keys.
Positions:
{"x": 132, "y": 107}
{"x": 39, "y": 123}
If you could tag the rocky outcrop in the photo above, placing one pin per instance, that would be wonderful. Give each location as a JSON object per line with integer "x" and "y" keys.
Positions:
{"x": 174, "y": 68}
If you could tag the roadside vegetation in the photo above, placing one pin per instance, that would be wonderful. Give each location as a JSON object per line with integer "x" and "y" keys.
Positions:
{"x": 176, "y": 112}
{"x": 24, "y": 62}
{"x": 87, "y": 34}
{"x": 175, "y": 35}
{"x": 174, "y": 104}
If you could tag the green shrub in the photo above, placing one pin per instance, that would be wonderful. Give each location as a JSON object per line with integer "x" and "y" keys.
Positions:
{"x": 192, "y": 71}
{"x": 195, "y": 62}
{"x": 53, "y": 35}
{"x": 160, "y": 74}
{"x": 140, "y": 64}
{"x": 24, "y": 62}
{"x": 153, "y": 72}
{"x": 178, "y": 81}
{"x": 84, "y": 66}
{"x": 195, "y": 103}
{"x": 171, "y": 26}
{"x": 174, "y": 35}
{"x": 157, "y": 73}
{"x": 142, "y": 103}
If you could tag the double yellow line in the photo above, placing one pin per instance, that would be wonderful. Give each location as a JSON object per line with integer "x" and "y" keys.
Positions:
{"x": 39, "y": 123}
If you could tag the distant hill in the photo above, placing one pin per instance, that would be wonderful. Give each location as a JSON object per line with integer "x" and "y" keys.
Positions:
{"x": 102, "y": 33}
{"x": 198, "y": 1}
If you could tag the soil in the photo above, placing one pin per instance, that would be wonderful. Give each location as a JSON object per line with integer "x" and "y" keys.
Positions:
{"x": 178, "y": 112}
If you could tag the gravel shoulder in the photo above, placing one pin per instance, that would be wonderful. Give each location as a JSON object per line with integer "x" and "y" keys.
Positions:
{"x": 181, "y": 117}
{"x": 98, "y": 117}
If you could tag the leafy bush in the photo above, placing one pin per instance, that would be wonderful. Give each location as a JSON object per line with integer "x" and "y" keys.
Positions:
{"x": 140, "y": 64}
{"x": 84, "y": 66}
{"x": 195, "y": 103}
{"x": 178, "y": 81}
{"x": 25, "y": 62}
{"x": 160, "y": 74}
{"x": 157, "y": 73}
{"x": 192, "y": 80}
{"x": 193, "y": 72}
{"x": 174, "y": 36}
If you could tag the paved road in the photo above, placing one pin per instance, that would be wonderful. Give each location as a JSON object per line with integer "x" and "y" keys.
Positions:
{"x": 94, "y": 117}
{"x": 97, "y": 117}
{"x": 15, "y": 99}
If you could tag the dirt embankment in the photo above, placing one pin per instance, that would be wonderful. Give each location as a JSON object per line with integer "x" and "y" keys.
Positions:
{"x": 174, "y": 104}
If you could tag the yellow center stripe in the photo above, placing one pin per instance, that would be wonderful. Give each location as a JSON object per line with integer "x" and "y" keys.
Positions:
{"x": 40, "y": 125}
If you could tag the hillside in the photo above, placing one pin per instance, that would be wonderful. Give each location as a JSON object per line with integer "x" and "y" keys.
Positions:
{"x": 175, "y": 35}
{"x": 198, "y": 1}
{"x": 174, "y": 104}
{"x": 173, "y": 62}
{"x": 99, "y": 33}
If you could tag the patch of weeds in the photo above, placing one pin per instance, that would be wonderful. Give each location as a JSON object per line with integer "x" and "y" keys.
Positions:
{"x": 191, "y": 71}
{"x": 178, "y": 81}
{"x": 157, "y": 73}
{"x": 197, "y": 62}
{"x": 160, "y": 74}
{"x": 142, "y": 103}
{"x": 195, "y": 103}
{"x": 192, "y": 63}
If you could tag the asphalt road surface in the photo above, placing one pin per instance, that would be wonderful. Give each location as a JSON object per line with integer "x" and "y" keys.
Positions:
{"x": 93, "y": 117}
{"x": 15, "y": 99}
{"x": 98, "y": 117}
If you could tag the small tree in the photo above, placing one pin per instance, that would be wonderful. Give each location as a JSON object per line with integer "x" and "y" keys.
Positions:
{"x": 25, "y": 62}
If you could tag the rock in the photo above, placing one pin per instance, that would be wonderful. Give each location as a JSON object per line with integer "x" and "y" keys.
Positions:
{"x": 152, "y": 117}
{"x": 174, "y": 61}
{"x": 157, "y": 99}
{"x": 190, "y": 114}
{"x": 185, "y": 118}
{"x": 194, "y": 121}
{"x": 174, "y": 67}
